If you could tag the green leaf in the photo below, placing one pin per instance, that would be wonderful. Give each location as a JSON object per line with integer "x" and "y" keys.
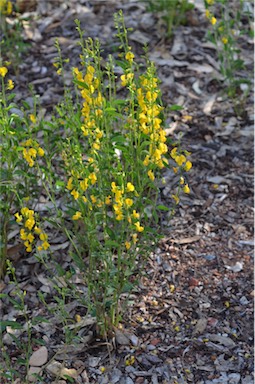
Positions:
{"x": 175, "y": 107}
{"x": 10, "y": 323}
{"x": 162, "y": 207}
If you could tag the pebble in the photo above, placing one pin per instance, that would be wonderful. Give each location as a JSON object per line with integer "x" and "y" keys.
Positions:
{"x": 243, "y": 301}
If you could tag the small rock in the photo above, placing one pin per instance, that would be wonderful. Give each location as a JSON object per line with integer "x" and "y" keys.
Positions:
{"x": 69, "y": 372}
{"x": 243, "y": 301}
{"x": 39, "y": 357}
{"x": 234, "y": 378}
{"x": 134, "y": 340}
{"x": 32, "y": 372}
{"x": 121, "y": 338}
{"x": 54, "y": 368}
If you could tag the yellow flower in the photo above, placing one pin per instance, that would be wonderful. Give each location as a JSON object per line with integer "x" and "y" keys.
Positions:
{"x": 180, "y": 159}
{"x": 37, "y": 230}
{"x": 93, "y": 178}
{"x": 40, "y": 151}
{"x": 151, "y": 175}
{"x": 134, "y": 237}
{"x": 18, "y": 217}
{"x": 30, "y": 237}
{"x": 93, "y": 199}
{"x": 108, "y": 200}
{"x": 127, "y": 244}
{"x": 32, "y": 118}
{"x": 43, "y": 236}
{"x": 119, "y": 217}
{"x": 75, "y": 194}
{"x": 213, "y": 20}
{"x": 59, "y": 71}
{"x": 70, "y": 184}
{"x": 32, "y": 152}
{"x": 139, "y": 227}
{"x": 135, "y": 214}
{"x": 181, "y": 180}
{"x": 224, "y": 40}
{"x": 77, "y": 215}
{"x": 129, "y": 202}
{"x": 3, "y": 71}
{"x": 10, "y": 84}
{"x": 186, "y": 189}
{"x": 129, "y": 56}
{"x": 24, "y": 211}
{"x": 187, "y": 166}
{"x": 23, "y": 234}
{"x": 176, "y": 198}
{"x": 84, "y": 184}
{"x": 29, "y": 248}
{"x": 207, "y": 13}
{"x": 210, "y": 2}
{"x": 29, "y": 223}
{"x": 146, "y": 161}
{"x": 125, "y": 79}
{"x": 130, "y": 187}
{"x": 45, "y": 245}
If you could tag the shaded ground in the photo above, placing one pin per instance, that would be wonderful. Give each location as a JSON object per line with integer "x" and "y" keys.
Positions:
{"x": 191, "y": 320}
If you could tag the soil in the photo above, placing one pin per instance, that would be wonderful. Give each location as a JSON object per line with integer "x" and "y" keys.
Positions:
{"x": 191, "y": 318}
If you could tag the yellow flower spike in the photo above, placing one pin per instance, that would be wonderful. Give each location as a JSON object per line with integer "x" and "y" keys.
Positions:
{"x": 186, "y": 189}
{"x": 151, "y": 175}
{"x": 32, "y": 118}
{"x": 187, "y": 166}
{"x": 18, "y": 217}
{"x": 3, "y": 71}
{"x": 127, "y": 245}
{"x": 77, "y": 216}
{"x": 224, "y": 40}
{"x": 10, "y": 85}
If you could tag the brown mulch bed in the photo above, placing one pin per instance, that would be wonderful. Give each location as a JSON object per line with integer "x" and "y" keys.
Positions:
{"x": 191, "y": 318}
